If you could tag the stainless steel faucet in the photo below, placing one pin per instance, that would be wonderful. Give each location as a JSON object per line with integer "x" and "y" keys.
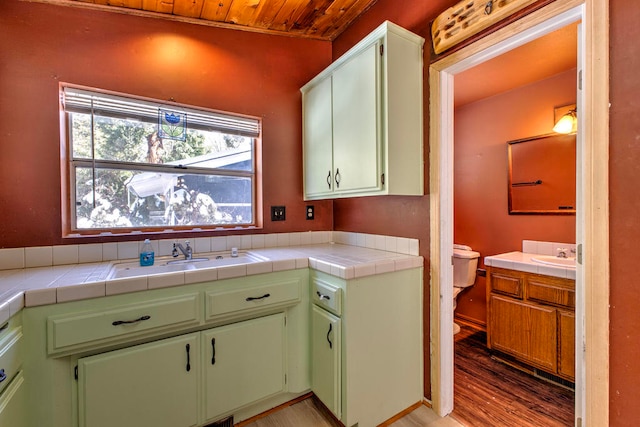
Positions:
{"x": 186, "y": 250}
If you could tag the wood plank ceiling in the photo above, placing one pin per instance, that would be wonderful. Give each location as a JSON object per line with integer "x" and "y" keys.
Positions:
{"x": 317, "y": 19}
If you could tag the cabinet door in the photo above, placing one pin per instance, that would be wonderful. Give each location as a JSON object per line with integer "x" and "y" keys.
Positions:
{"x": 244, "y": 362}
{"x": 325, "y": 359}
{"x": 13, "y": 404}
{"x": 318, "y": 140}
{"x": 154, "y": 384}
{"x": 567, "y": 344}
{"x": 526, "y": 331}
{"x": 357, "y": 154}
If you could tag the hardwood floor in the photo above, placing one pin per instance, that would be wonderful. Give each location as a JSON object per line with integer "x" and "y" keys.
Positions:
{"x": 490, "y": 393}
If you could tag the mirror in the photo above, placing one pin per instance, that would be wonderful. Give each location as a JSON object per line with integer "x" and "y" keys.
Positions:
{"x": 542, "y": 175}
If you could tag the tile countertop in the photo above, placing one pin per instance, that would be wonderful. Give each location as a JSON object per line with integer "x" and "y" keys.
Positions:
{"x": 521, "y": 261}
{"x": 30, "y": 287}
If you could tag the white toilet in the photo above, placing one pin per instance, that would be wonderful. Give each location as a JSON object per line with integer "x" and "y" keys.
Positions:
{"x": 465, "y": 264}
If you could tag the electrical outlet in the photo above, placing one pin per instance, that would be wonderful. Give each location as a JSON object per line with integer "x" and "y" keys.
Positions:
{"x": 310, "y": 212}
{"x": 278, "y": 213}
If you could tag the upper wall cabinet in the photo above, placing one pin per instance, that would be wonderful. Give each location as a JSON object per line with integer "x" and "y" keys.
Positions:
{"x": 363, "y": 120}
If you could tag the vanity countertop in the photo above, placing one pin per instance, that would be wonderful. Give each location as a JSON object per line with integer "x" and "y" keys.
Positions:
{"x": 522, "y": 261}
{"x": 29, "y": 287}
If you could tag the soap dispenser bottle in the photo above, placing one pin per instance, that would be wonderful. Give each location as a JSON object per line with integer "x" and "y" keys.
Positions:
{"x": 146, "y": 254}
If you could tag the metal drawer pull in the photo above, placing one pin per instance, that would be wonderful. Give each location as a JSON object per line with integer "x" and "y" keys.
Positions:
{"x": 329, "y": 180}
{"x": 188, "y": 358}
{"x": 3, "y": 375}
{"x": 257, "y": 298}
{"x": 126, "y": 322}
{"x": 328, "y": 333}
{"x": 322, "y": 296}
{"x": 213, "y": 351}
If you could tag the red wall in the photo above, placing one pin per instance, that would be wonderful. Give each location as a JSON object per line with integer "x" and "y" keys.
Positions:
{"x": 624, "y": 177}
{"x": 234, "y": 71}
{"x": 481, "y": 217}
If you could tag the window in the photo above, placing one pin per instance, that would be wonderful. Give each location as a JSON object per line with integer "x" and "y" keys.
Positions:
{"x": 139, "y": 164}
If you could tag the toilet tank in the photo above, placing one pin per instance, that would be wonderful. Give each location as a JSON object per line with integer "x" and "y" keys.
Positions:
{"x": 465, "y": 264}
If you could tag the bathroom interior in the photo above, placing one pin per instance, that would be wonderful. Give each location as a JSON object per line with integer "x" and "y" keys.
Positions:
{"x": 494, "y": 208}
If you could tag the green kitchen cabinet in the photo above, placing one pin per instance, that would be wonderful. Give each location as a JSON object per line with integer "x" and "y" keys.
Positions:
{"x": 367, "y": 344}
{"x": 244, "y": 362}
{"x": 13, "y": 403}
{"x": 362, "y": 120}
{"x": 153, "y": 384}
{"x": 326, "y": 348}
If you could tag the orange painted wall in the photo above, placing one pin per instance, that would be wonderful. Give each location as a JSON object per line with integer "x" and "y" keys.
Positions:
{"x": 481, "y": 218}
{"x": 235, "y": 71}
{"x": 624, "y": 208}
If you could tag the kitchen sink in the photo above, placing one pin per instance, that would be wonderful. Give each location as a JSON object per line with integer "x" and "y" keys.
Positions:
{"x": 555, "y": 261}
{"x": 169, "y": 265}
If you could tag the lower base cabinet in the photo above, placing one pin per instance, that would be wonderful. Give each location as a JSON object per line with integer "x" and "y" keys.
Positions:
{"x": 158, "y": 384}
{"x": 153, "y": 384}
{"x": 13, "y": 403}
{"x": 244, "y": 363}
{"x": 325, "y": 358}
{"x": 530, "y": 318}
{"x": 366, "y": 343}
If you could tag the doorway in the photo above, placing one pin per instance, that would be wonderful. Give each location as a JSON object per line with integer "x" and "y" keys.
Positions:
{"x": 592, "y": 391}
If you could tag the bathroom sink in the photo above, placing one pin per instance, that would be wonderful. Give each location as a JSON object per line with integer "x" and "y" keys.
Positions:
{"x": 168, "y": 265}
{"x": 555, "y": 261}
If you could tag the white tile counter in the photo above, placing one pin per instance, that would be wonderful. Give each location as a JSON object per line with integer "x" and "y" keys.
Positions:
{"x": 34, "y": 286}
{"x": 522, "y": 261}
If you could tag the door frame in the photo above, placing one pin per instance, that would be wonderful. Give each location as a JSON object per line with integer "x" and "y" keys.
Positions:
{"x": 592, "y": 218}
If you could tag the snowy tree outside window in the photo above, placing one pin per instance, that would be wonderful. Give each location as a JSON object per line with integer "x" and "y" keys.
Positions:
{"x": 126, "y": 173}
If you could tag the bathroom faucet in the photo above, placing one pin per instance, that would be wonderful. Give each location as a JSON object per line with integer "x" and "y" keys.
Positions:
{"x": 186, "y": 251}
{"x": 562, "y": 252}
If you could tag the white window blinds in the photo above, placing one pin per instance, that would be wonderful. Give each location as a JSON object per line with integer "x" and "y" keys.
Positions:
{"x": 84, "y": 101}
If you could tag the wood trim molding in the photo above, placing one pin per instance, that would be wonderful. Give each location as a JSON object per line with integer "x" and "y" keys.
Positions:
{"x": 400, "y": 415}
{"x": 594, "y": 218}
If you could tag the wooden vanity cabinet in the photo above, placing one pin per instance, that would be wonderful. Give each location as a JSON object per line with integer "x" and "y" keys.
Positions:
{"x": 531, "y": 318}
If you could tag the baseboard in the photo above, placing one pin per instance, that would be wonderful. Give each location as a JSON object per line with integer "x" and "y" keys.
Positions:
{"x": 471, "y": 322}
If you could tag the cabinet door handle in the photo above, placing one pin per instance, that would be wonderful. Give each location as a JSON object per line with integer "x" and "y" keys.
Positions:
{"x": 338, "y": 178}
{"x": 126, "y": 322}
{"x": 3, "y": 375}
{"x": 213, "y": 351}
{"x": 257, "y": 298}
{"x": 329, "y": 333}
{"x": 188, "y": 347}
{"x": 329, "y": 180}
{"x": 322, "y": 296}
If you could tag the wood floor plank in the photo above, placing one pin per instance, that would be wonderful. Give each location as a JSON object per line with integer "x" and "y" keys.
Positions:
{"x": 491, "y": 393}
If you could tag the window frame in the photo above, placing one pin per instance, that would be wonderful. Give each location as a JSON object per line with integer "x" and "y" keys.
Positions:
{"x": 68, "y": 165}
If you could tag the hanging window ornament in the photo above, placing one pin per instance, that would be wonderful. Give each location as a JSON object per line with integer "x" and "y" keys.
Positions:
{"x": 172, "y": 124}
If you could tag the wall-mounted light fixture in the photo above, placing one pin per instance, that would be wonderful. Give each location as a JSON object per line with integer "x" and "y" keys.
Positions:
{"x": 566, "y": 119}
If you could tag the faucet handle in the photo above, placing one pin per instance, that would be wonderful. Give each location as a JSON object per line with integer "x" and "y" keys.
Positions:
{"x": 562, "y": 252}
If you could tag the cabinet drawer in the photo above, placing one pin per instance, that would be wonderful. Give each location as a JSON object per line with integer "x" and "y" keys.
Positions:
{"x": 550, "y": 293}
{"x": 506, "y": 284}
{"x": 99, "y": 328}
{"x": 11, "y": 347}
{"x": 327, "y": 296}
{"x": 13, "y": 403}
{"x": 229, "y": 303}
